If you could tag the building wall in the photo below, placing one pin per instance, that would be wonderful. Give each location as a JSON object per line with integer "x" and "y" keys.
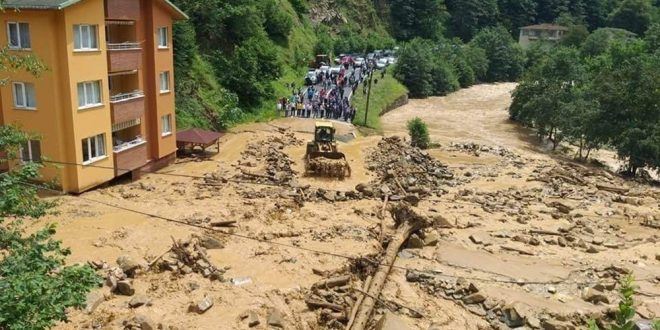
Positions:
{"x": 162, "y": 61}
{"x": 46, "y": 119}
{"x": 57, "y": 119}
{"x": 86, "y": 66}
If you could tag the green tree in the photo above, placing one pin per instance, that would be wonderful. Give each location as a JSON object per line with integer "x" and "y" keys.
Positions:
{"x": 626, "y": 84}
{"x": 325, "y": 44}
{"x": 35, "y": 285}
{"x": 477, "y": 60}
{"x": 417, "y": 18}
{"x": 414, "y": 67}
{"x": 632, "y": 15}
{"x": 548, "y": 97}
{"x": 516, "y": 14}
{"x": 598, "y": 42}
{"x": 548, "y": 10}
{"x": 505, "y": 57}
{"x": 250, "y": 70}
{"x": 470, "y": 16}
{"x": 419, "y": 133}
{"x": 652, "y": 37}
{"x": 575, "y": 36}
{"x": 277, "y": 23}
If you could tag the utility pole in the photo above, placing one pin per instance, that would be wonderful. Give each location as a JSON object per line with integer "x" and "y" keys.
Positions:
{"x": 366, "y": 111}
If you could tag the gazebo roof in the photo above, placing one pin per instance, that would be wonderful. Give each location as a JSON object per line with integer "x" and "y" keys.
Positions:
{"x": 197, "y": 136}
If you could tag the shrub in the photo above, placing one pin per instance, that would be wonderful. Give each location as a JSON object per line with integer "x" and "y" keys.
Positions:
{"x": 419, "y": 133}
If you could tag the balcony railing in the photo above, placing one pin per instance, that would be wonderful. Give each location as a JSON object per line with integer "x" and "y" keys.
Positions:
{"x": 127, "y": 106}
{"x": 129, "y": 144}
{"x": 126, "y": 96}
{"x": 124, "y": 46}
{"x": 124, "y": 57}
{"x": 131, "y": 156}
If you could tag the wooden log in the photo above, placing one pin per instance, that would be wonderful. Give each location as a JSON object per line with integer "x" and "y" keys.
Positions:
{"x": 153, "y": 262}
{"x": 356, "y": 306}
{"x": 545, "y": 232}
{"x": 226, "y": 223}
{"x": 315, "y": 303}
{"x": 382, "y": 219}
{"x": 613, "y": 189}
{"x": 515, "y": 249}
{"x": 408, "y": 221}
{"x": 332, "y": 282}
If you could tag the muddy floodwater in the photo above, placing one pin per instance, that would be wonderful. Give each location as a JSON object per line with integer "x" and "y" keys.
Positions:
{"x": 521, "y": 236}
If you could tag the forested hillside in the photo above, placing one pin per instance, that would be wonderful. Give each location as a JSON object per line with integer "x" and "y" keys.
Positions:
{"x": 235, "y": 57}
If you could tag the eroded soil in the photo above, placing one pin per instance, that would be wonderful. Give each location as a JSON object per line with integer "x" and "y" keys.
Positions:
{"x": 525, "y": 229}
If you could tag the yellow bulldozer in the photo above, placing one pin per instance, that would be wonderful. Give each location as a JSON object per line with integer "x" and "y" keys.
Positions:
{"x": 322, "y": 157}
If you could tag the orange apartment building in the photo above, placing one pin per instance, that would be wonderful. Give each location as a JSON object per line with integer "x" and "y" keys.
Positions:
{"x": 105, "y": 106}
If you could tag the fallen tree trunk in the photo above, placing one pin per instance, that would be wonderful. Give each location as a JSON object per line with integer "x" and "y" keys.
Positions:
{"x": 332, "y": 282}
{"x": 407, "y": 221}
{"x": 613, "y": 189}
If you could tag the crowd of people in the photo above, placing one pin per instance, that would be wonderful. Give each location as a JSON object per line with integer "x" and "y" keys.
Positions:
{"x": 329, "y": 97}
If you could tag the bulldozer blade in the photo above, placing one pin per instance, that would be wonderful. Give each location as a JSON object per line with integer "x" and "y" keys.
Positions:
{"x": 330, "y": 164}
{"x": 328, "y": 155}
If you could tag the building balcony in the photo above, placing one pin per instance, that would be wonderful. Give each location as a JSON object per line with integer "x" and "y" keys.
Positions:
{"x": 125, "y": 56}
{"x": 130, "y": 155}
{"x": 127, "y": 106}
{"x": 122, "y": 9}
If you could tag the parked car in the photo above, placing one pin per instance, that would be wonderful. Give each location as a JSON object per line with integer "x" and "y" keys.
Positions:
{"x": 358, "y": 61}
{"x": 382, "y": 63}
{"x": 310, "y": 79}
{"x": 371, "y": 56}
{"x": 335, "y": 69}
{"x": 391, "y": 60}
{"x": 323, "y": 69}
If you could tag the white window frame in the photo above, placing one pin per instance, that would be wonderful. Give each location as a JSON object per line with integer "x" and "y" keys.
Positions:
{"x": 30, "y": 155}
{"x": 18, "y": 30}
{"x": 85, "y": 91}
{"x": 163, "y": 38}
{"x": 24, "y": 95}
{"x": 166, "y": 125}
{"x": 99, "y": 143}
{"x": 160, "y": 76}
{"x": 91, "y": 37}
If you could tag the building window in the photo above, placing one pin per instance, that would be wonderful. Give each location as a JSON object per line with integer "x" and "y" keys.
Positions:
{"x": 93, "y": 148}
{"x": 162, "y": 37}
{"x": 166, "y": 123}
{"x": 89, "y": 94}
{"x": 19, "y": 35}
{"x": 164, "y": 81}
{"x": 85, "y": 37}
{"x": 24, "y": 96}
{"x": 31, "y": 151}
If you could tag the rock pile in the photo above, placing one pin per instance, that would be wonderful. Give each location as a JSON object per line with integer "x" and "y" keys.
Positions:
{"x": 402, "y": 169}
{"x": 478, "y": 149}
{"x": 187, "y": 256}
{"x": 275, "y": 163}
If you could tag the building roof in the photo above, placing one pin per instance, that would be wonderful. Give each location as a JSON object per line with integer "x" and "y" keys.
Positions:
{"x": 545, "y": 26}
{"x": 197, "y": 136}
{"x": 61, "y": 4}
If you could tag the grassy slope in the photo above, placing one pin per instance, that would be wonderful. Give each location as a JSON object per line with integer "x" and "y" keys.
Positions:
{"x": 382, "y": 94}
{"x": 295, "y": 53}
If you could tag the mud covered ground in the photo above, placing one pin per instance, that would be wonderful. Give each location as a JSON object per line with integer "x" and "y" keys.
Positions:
{"x": 521, "y": 237}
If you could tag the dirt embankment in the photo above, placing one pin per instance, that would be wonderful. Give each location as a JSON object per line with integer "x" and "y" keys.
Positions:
{"x": 518, "y": 236}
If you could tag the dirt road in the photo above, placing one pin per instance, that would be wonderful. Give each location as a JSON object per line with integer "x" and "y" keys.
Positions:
{"x": 523, "y": 232}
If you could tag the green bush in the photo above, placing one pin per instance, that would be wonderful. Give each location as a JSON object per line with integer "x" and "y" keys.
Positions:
{"x": 505, "y": 57}
{"x": 35, "y": 285}
{"x": 419, "y": 133}
{"x": 278, "y": 23}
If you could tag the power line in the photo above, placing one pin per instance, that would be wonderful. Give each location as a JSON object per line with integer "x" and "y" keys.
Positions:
{"x": 333, "y": 254}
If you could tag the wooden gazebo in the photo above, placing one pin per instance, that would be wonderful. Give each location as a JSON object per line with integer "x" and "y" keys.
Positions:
{"x": 197, "y": 137}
